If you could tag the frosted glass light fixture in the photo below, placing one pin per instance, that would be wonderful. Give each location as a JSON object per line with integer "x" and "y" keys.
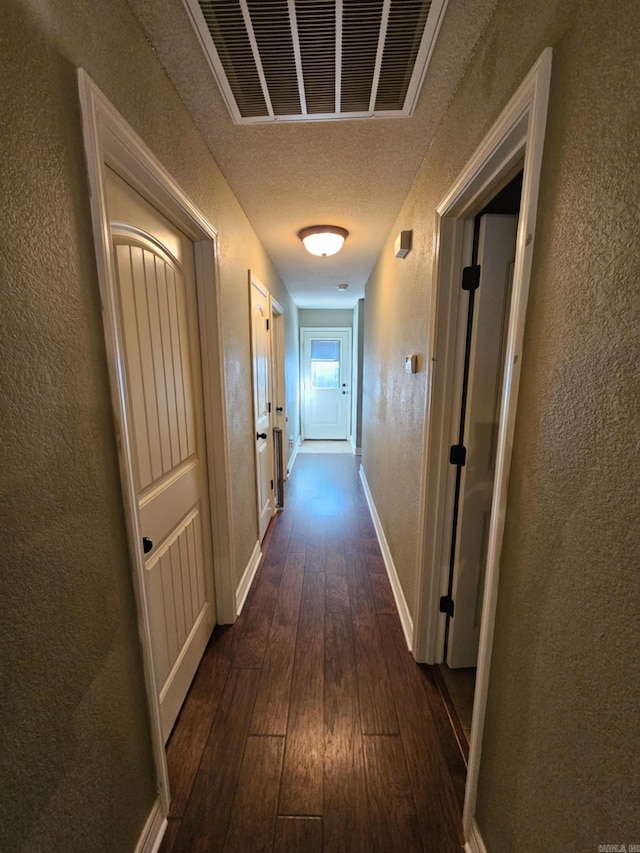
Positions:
{"x": 323, "y": 240}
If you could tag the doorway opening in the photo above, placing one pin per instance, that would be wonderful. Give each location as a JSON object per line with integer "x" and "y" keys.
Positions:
{"x": 481, "y": 333}
{"x": 279, "y": 406}
{"x": 514, "y": 144}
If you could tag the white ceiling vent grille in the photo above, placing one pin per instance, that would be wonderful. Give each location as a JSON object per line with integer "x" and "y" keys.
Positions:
{"x": 304, "y": 60}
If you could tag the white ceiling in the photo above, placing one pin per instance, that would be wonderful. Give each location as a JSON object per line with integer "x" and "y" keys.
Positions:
{"x": 352, "y": 173}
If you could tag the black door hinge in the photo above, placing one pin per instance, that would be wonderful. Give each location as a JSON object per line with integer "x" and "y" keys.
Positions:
{"x": 269, "y": 404}
{"x": 446, "y": 605}
{"x": 267, "y": 325}
{"x": 471, "y": 278}
{"x": 272, "y": 485}
{"x": 458, "y": 455}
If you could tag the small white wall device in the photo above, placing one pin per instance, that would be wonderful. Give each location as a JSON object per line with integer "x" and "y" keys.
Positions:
{"x": 402, "y": 245}
{"x": 411, "y": 364}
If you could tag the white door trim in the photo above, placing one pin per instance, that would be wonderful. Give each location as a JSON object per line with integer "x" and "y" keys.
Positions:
{"x": 515, "y": 141}
{"x": 110, "y": 141}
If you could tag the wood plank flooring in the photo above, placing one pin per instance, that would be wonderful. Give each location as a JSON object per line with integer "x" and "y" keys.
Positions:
{"x": 308, "y": 726}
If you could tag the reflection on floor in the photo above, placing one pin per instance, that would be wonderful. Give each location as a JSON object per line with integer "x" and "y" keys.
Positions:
{"x": 460, "y": 684}
{"x": 316, "y": 446}
{"x": 309, "y": 727}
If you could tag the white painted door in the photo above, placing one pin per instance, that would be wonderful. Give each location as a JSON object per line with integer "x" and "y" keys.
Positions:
{"x": 496, "y": 255}
{"x": 326, "y": 383}
{"x": 261, "y": 373}
{"x": 158, "y": 326}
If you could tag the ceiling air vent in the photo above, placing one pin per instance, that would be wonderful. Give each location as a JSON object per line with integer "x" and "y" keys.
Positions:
{"x": 282, "y": 60}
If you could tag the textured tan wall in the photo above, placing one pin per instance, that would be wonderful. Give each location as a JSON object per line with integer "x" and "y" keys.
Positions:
{"x": 77, "y": 771}
{"x": 396, "y": 310}
{"x": 395, "y": 325}
{"x": 292, "y": 372}
{"x": 317, "y": 317}
{"x": 562, "y": 745}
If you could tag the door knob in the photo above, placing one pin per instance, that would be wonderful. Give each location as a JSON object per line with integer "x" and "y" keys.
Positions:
{"x": 261, "y": 435}
{"x": 147, "y": 544}
{"x": 279, "y": 409}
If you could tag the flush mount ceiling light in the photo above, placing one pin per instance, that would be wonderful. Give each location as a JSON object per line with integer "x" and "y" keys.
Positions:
{"x": 342, "y": 286}
{"x": 323, "y": 240}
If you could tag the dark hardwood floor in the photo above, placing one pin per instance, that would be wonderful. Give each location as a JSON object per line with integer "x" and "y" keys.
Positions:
{"x": 309, "y": 726}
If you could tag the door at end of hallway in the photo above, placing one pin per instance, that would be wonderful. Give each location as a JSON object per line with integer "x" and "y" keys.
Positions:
{"x": 326, "y": 383}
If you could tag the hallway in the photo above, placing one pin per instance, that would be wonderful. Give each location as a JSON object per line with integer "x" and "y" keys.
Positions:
{"x": 308, "y": 725}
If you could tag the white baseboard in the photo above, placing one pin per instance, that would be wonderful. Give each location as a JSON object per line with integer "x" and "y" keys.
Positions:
{"x": 247, "y": 577}
{"x": 474, "y": 843}
{"x": 154, "y": 830}
{"x": 403, "y": 611}
{"x": 292, "y": 458}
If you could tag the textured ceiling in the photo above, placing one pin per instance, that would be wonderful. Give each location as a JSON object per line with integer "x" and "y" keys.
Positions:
{"x": 352, "y": 173}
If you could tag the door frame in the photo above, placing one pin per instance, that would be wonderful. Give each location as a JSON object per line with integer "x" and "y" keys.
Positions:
{"x": 278, "y": 384}
{"x": 279, "y": 377}
{"x": 348, "y": 373}
{"x": 515, "y": 142}
{"x": 110, "y": 141}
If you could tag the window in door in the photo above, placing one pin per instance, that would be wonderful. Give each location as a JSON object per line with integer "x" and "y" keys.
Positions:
{"x": 325, "y": 364}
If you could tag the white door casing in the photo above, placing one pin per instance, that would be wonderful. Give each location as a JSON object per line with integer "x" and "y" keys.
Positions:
{"x": 261, "y": 379}
{"x": 155, "y": 279}
{"x": 326, "y": 383}
{"x": 496, "y": 256}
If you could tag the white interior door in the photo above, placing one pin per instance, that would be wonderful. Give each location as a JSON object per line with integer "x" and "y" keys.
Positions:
{"x": 158, "y": 321}
{"x": 496, "y": 255}
{"x": 261, "y": 371}
{"x": 326, "y": 383}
